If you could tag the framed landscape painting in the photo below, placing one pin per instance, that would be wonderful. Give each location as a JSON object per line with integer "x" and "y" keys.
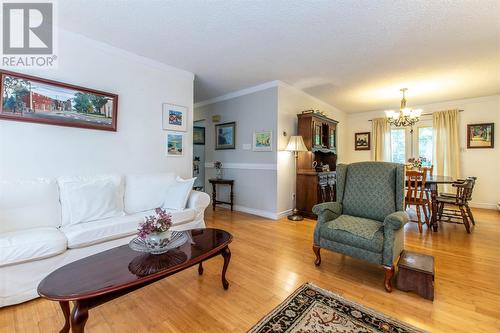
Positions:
{"x": 198, "y": 135}
{"x": 481, "y": 135}
{"x": 175, "y": 144}
{"x": 33, "y": 99}
{"x": 362, "y": 141}
{"x": 263, "y": 141}
{"x": 174, "y": 117}
{"x": 225, "y": 135}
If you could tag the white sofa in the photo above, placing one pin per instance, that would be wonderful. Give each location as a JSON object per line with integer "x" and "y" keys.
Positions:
{"x": 47, "y": 223}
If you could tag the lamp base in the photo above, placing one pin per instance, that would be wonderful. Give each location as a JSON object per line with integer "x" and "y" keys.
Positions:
{"x": 295, "y": 216}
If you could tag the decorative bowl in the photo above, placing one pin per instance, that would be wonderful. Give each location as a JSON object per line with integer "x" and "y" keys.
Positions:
{"x": 160, "y": 243}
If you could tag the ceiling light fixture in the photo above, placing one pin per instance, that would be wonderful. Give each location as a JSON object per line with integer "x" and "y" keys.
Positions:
{"x": 405, "y": 117}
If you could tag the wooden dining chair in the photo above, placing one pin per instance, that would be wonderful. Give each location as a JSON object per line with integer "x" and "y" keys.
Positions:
{"x": 464, "y": 189}
{"x": 428, "y": 171}
{"x": 415, "y": 189}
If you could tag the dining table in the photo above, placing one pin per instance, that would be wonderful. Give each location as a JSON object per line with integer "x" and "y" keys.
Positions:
{"x": 432, "y": 182}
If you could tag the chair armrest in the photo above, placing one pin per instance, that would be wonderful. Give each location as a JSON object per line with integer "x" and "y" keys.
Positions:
{"x": 396, "y": 220}
{"x": 198, "y": 200}
{"x": 327, "y": 211}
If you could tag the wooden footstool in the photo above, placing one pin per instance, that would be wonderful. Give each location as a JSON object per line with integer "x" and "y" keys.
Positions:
{"x": 416, "y": 273}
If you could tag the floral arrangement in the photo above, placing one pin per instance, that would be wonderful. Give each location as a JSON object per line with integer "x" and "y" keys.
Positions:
{"x": 417, "y": 162}
{"x": 218, "y": 165}
{"x": 160, "y": 222}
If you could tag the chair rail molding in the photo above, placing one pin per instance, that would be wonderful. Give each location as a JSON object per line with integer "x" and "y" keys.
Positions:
{"x": 247, "y": 166}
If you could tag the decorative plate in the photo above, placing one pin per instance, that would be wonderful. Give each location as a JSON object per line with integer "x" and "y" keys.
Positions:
{"x": 178, "y": 239}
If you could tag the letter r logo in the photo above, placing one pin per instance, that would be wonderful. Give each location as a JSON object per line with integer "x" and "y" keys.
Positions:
{"x": 27, "y": 28}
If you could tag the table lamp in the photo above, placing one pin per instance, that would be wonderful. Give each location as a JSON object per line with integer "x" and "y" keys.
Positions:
{"x": 295, "y": 144}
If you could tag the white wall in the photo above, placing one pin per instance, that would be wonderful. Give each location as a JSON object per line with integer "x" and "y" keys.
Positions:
{"x": 292, "y": 101}
{"x": 33, "y": 150}
{"x": 482, "y": 163}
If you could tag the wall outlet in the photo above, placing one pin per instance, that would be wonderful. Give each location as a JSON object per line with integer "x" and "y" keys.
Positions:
{"x": 247, "y": 146}
{"x": 293, "y": 196}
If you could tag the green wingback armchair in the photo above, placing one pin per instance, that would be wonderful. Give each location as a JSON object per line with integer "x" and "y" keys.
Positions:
{"x": 368, "y": 217}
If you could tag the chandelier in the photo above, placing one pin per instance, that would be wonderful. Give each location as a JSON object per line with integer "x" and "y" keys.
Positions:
{"x": 405, "y": 117}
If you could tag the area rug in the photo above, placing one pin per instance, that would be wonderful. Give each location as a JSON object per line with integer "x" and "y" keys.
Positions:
{"x": 311, "y": 309}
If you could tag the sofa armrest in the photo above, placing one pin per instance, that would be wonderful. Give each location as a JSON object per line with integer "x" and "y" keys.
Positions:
{"x": 198, "y": 200}
{"x": 396, "y": 220}
{"x": 327, "y": 211}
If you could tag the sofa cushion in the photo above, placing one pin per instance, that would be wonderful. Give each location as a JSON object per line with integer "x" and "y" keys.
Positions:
{"x": 85, "y": 234}
{"x": 329, "y": 231}
{"x": 86, "y": 199}
{"x": 29, "y": 245}
{"x": 146, "y": 192}
{"x": 29, "y": 204}
{"x": 177, "y": 194}
{"x": 358, "y": 226}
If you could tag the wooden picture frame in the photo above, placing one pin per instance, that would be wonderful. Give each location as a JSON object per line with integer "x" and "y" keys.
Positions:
{"x": 33, "y": 99}
{"x": 174, "y": 117}
{"x": 362, "y": 141}
{"x": 481, "y": 135}
{"x": 225, "y": 136}
{"x": 198, "y": 135}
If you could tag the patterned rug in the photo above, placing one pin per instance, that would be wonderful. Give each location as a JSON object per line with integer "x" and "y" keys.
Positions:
{"x": 311, "y": 309}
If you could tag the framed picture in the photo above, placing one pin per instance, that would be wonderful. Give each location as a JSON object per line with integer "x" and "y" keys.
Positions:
{"x": 362, "y": 141}
{"x": 36, "y": 100}
{"x": 263, "y": 141}
{"x": 198, "y": 135}
{"x": 175, "y": 144}
{"x": 225, "y": 136}
{"x": 481, "y": 135}
{"x": 174, "y": 117}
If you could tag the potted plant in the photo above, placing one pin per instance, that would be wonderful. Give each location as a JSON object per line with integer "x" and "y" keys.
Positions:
{"x": 218, "y": 169}
{"x": 155, "y": 230}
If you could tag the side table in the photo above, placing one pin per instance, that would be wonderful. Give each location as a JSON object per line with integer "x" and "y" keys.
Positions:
{"x": 216, "y": 182}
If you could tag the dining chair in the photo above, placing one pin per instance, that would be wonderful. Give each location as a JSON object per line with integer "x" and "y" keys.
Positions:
{"x": 415, "y": 189}
{"x": 428, "y": 171}
{"x": 460, "y": 199}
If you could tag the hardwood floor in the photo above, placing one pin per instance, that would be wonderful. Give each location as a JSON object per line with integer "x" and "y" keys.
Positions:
{"x": 270, "y": 259}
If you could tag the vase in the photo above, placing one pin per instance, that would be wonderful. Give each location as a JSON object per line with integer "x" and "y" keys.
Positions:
{"x": 218, "y": 173}
{"x": 157, "y": 240}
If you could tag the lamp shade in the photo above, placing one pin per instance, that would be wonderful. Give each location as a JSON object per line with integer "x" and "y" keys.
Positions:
{"x": 296, "y": 143}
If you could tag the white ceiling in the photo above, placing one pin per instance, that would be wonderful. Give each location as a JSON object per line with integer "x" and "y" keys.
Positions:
{"x": 354, "y": 55}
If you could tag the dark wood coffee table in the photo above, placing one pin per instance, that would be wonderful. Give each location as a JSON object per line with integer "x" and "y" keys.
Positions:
{"x": 97, "y": 279}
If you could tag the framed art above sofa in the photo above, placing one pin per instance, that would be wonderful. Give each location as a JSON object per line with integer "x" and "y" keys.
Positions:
{"x": 37, "y": 100}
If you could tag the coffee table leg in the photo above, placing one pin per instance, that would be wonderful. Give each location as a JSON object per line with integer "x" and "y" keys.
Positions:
{"x": 200, "y": 268}
{"x": 79, "y": 317}
{"x": 226, "y": 253}
{"x": 65, "y": 309}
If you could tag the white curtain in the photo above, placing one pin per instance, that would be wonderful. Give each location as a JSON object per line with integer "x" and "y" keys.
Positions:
{"x": 446, "y": 152}
{"x": 381, "y": 131}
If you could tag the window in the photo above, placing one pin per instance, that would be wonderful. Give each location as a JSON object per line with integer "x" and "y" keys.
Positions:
{"x": 425, "y": 144}
{"x": 398, "y": 145}
{"x": 404, "y": 145}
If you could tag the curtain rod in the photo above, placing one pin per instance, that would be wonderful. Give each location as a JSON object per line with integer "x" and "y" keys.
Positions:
{"x": 424, "y": 114}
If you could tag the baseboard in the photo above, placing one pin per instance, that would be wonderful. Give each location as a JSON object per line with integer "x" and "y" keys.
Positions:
{"x": 483, "y": 205}
{"x": 284, "y": 213}
{"x": 253, "y": 211}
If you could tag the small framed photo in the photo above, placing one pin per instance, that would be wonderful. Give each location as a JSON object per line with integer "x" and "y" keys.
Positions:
{"x": 174, "y": 117}
{"x": 225, "y": 136}
{"x": 175, "y": 144}
{"x": 362, "y": 141}
{"x": 198, "y": 135}
{"x": 263, "y": 141}
{"x": 481, "y": 135}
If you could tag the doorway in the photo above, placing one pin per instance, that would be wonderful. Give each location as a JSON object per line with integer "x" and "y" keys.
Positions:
{"x": 199, "y": 154}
